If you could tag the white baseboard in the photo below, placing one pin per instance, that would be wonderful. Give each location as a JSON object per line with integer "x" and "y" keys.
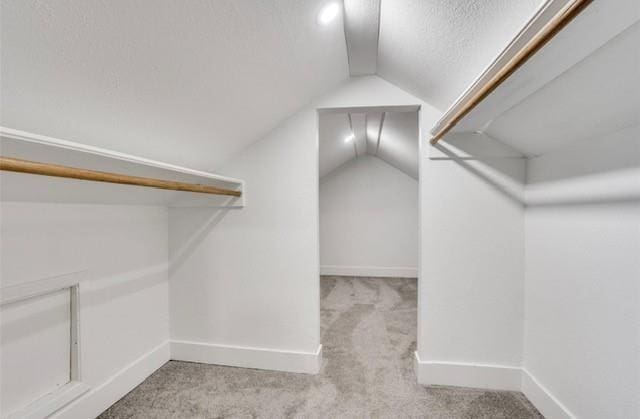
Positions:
{"x": 397, "y": 272}
{"x": 494, "y": 377}
{"x": 99, "y": 398}
{"x": 247, "y": 357}
{"x": 542, "y": 399}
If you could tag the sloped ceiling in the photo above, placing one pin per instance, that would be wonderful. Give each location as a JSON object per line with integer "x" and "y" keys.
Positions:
{"x": 189, "y": 82}
{"x": 598, "y": 95}
{"x": 390, "y": 136}
{"x": 435, "y": 49}
{"x": 194, "y": 82}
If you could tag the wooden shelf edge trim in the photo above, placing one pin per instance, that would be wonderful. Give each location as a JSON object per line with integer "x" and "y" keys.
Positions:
{"x": 46, "y": 169}
{"x": 553, "y": 27}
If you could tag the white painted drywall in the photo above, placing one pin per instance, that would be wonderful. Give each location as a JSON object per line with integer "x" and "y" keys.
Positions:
{"x": 249, "y": 278}
{"x": 124, "y": 303}
{"x": 368, "y": 220}
{"x": 582, "y": 284}
{"x": 471, "y": 305}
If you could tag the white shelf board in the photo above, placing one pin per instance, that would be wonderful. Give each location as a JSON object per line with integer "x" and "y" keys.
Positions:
{"x": 590, "y": 30}
{"x": 21, "y": 187}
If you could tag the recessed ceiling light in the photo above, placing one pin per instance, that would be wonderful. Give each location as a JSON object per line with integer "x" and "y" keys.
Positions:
{"x": 328, "y": 13}
{"x": 349, "y": 138}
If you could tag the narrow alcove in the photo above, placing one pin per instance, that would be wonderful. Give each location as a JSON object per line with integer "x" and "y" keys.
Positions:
{"x": 368, "y": 222}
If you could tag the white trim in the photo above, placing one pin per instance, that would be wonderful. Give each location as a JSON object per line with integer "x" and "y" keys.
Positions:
{"x": 33, "y": 289}
{"x": 365, "y": 109}
{"x": 75, "y": 154}
{"x": 247, "y": 357}
{"x": 113, "y": 389}
{"x": 58, "y": 397}
{"x": 76, "y": 359}
{"x": 70, "y": 145}
{"x": 494, "y": 377}
{"x": 45, "y": 405}
{"x": 381, "y": 271}
{"x": 541, "y": 17}
{"x": 542, "y": 399}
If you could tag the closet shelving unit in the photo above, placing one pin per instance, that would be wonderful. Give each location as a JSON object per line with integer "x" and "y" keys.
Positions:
{"x": 560, "y": 35}
{"x": 586, "y": 72}
{"x": 37, "y": 168}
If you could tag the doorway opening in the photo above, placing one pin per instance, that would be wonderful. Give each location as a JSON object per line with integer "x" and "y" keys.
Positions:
{"x": 369, "y": 244}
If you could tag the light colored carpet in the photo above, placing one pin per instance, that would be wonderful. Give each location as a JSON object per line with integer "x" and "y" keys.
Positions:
{"x": 368, "y": 333}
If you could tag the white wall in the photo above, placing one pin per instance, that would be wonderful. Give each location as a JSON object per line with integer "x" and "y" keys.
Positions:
{"x": 246, "y": 281}
{"x": 124, "y": 304}
{"x": 582, "y": 287}
{"x": 368, "y": 220}
{"x": 472, "y": 264}
{"x": 244, "y": 284}
{"x": 244, "y": 287}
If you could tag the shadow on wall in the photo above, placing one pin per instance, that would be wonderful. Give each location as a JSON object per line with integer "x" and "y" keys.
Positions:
{"x": 194, "y": 224}
{"x": 102, "y": 290}
{"x": 96, "y": 292}
{"x": 496, "y": 164}
{"x": 33, "y": 322}
{"x": 505, "y": 175}
{"x": 595, "y": 171}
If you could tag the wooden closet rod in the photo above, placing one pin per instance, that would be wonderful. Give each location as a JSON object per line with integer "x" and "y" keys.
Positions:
{"x": 555, "y": 25}
{"x": 46, "y": 169}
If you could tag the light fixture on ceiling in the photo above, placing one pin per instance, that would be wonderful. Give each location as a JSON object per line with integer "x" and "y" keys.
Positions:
{"x": 349, "y": 138}
{"x": 328, "y": 13}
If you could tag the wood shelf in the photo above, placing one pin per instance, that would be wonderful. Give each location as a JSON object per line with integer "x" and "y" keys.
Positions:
{"x": 76, "y": 173}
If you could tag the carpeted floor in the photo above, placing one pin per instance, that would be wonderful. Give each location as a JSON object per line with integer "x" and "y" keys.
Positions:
{"x": 368, "y": 333}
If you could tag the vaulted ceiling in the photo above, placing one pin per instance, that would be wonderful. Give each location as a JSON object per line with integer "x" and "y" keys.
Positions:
{"x": 435, "y": 49}
{"x": 194, "y": 82}
{"x": 188, "y": 82}
{"x": 390, "y": 136}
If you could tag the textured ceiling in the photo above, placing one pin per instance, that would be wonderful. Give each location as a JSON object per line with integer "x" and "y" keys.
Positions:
{"x": 435, "y": 49}
{"x": 188, "y": 82}
{"x": 194, "y": 82}
{"x": 598, "y": 95}
{"x": 390, "y": 136}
